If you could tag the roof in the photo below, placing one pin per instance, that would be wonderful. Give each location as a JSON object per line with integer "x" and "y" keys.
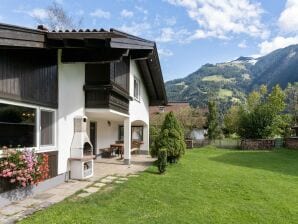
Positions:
{"x": 170, "y": 107}
{"x": 92, "y": 45}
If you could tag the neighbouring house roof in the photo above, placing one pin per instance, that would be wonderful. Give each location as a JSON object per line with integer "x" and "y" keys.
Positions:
{"x": 93, "y": 45}
{"x": 170, "y": 107}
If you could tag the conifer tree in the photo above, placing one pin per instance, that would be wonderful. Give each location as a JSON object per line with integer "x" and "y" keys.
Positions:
{"x": 172, "y": 138}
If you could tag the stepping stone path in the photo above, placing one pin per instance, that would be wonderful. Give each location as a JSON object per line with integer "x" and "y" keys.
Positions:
{"x": 83, "y": 195}
{"x": 111, "y": 178}
{"x": 99, "y": 185}
{"x": 119, "y": 182}
{"x": 133, "y": 175}
{"x": 105, "y": 180}
{"x": 92, "y": 189}
{"x": 123, "y": 179}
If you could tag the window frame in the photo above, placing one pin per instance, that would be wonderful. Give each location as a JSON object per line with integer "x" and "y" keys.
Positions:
{"x": 38, "y": 147}
{"x": 51, "y": 146}
{"x": 137, "y": 98}
{"x": 133, "y": 126}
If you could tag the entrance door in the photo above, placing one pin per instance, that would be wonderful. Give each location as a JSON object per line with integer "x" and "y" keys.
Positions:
{"x": 93, "y": 134}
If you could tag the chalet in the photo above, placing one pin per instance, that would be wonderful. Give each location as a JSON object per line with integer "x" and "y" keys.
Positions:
{"x": 72, "y": 93}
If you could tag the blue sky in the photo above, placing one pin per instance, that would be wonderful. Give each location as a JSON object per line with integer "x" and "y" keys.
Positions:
{"x": 189, "y": 33}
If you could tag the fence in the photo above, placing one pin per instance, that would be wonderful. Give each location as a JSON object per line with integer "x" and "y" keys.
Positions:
{"x": 219, "y": 143}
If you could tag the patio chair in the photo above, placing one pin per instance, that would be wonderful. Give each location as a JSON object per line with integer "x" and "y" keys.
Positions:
{"x": 135, "y": 147}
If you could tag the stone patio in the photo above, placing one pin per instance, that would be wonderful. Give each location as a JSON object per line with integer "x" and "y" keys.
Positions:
{"x": 106, "y": 172}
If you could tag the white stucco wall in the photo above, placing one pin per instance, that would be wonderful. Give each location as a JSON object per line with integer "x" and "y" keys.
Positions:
{"x": 71, "y": 78}
{"x": 106, "y": 135}
{"x": 139, "y": 110}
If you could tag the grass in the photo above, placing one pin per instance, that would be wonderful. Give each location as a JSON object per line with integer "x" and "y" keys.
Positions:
{"x": 217, "y": 78}
{"x": 208, "y": 185}
{"x": 223, "y": 93}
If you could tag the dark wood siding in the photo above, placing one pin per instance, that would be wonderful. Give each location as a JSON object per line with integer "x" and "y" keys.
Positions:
{"x": 107, "y": 85}
{"x": 53, "y": 163}
{"x": 120, "y": 73}
{"x": 97, "y": 74}
{"x": 29, "y": 76}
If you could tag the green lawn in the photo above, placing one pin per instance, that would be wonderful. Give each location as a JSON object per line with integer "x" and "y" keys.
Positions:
{"x": 208, "y": 186}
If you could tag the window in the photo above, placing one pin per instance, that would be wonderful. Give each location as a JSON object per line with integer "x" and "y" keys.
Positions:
{"x": 136, "y": 133}
{"x": 23, "y": 126}
{"x": 136, "y": 85}
{"x": 46, "y": 127}
{"x": 121, "y": 133}
{"x": 17, "y": 126}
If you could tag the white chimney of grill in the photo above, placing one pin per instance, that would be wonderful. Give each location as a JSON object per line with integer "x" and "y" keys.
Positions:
{"x": 81, "y": 150}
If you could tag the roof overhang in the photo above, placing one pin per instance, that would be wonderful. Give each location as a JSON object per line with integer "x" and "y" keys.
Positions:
{"x": 20, "y": 37}
{"x": 94, "y": 46}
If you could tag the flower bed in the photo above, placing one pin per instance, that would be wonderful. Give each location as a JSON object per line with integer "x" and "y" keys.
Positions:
{"x": 22, "y": 168}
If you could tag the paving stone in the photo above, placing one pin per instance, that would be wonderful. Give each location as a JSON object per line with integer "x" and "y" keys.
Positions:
{"x": 43, "y": 196}
{"x": 133, "y": 175}
{"x": 45, "y": 204}
{"x": 106, "y": 180}
{"x": 56, "y": 198}
{"x": 12, "y": 209}
{"x": 83, "y": 195}
{"x": 111, "y": 177}
{"x": 119, "y": 182}
{"x": 99, "y": 185}
{"x": 123, "y": 178}
{"x": 91, "y": 189}
{"x": 29, "y": 202}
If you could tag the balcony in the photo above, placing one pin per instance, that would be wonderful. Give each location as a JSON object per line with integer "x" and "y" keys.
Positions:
{"x": 108, "y": 96}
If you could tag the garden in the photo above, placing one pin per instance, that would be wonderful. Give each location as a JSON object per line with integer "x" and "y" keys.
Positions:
{"x": 207, "y": 185}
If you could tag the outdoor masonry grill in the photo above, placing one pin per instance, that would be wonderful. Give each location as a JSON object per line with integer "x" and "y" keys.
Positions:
{"x": 81, "y": 156}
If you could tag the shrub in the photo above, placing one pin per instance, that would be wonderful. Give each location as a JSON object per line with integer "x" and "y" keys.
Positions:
{"x": 162, "y": 160}
{"x": 154, "y": 132}
{"x": 171, "y": 137}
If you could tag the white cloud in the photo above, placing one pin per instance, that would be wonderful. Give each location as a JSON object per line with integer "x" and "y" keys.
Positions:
{"x": 276, "y": 43}
{"x": 142, "y": 10}
{"x": 223, "y": 18}
{"x": 137, "y": 29}
{"x": 99, "y": 13}
{"x": 242, "y": 44}
{"x": 171, "y": 21}
{"x": 126, "y": 14}
{"x": 165, "y": 52}
{"x": 38, "y": 13}
{"x": 288, "y": 20}
{"x": 168, "y": 34}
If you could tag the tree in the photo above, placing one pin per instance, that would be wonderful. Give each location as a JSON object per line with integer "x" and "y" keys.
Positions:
{"x": 213, "y": 121}
{"x": 292, "y": 101}
{"x": 171, "y": 137}
{"x": 231, "y": 120}
{"x": 57, "y": 18}
{"x": 262, "y": 117}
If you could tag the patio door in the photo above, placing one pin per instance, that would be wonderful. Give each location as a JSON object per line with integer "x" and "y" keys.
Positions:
{"x": 93, "y": 134}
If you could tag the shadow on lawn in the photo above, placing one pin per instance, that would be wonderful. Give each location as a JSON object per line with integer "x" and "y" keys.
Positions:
{"x": 284, "y": 161}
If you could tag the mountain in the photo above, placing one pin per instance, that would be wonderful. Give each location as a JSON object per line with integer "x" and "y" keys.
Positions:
{"x": 229, "y": 82}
